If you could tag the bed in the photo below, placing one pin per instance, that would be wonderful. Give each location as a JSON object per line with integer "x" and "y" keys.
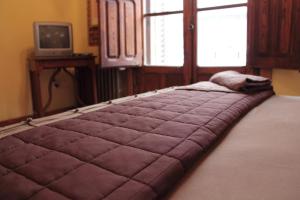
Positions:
{"x": 137, "y": 148}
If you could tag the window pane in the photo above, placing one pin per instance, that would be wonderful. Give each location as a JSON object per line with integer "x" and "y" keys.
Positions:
{"x": 222, "y": 37}
{"x": 164, "y": 40}
{"x": 212, "y": 3}
{"x": 155, "y": 6}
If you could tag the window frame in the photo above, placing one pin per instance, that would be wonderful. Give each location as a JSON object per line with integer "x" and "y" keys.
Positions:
{"x": 155, "y": 14}
{"x": 191, "y": 72}
{"x": 222, "y": 7}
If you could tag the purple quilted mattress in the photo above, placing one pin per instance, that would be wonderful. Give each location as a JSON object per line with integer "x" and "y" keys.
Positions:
{"x": 134, "y": 150}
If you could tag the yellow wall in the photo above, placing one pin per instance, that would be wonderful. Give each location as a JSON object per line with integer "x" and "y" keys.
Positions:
{"x": 286, "y": 82}
{"x": 16, "y": 43}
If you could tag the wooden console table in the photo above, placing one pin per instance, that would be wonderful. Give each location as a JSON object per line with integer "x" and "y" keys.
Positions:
{"x": 38, "y": 64}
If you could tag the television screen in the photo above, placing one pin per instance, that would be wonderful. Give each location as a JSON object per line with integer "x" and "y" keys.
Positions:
{"x": 56, "y": 37}
{"x": 53, "y": 38}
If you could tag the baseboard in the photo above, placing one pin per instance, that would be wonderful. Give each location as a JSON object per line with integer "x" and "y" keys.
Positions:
{"x": 13, "y": 121}
{"x": 23, "y": 118}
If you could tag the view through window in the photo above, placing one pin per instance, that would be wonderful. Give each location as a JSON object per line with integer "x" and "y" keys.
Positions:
{"x": 222, "y": 33}
{"x": 163, "y": 29}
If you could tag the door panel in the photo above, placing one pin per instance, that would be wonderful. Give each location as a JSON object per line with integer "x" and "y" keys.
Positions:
{"x": 263, "y": 28}
{"x": 113, "y": 29}
{"x": 285, "y": 26}
{"x": 153, "y": 78}
{"x": 120, "y": 33}
{"x": 130, "y": 26}
{"x": 274, "y": 30}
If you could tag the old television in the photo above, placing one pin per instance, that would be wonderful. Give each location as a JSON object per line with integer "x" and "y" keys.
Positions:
{"x": 53, "y": 38}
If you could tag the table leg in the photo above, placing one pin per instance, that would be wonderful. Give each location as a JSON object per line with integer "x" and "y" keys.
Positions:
{"x": 36, "y": 93}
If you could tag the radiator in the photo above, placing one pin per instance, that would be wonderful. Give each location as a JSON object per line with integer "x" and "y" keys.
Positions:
{"x": 108, "y": 84}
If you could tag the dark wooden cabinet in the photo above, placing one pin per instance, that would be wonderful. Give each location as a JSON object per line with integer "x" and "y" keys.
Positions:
{"x": 275, "y": 38}
{"x": 120, "y": 33}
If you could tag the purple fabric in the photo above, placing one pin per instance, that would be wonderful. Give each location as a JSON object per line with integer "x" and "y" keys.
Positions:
{"x": 134, "y": 150}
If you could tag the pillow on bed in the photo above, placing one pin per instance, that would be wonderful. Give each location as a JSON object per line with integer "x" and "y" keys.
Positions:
{"x": 241, "y": 82}
{"x": 206, "y": 86}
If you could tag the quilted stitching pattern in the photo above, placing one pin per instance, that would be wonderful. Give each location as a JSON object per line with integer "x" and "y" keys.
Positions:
{"x": 133, "y": 150}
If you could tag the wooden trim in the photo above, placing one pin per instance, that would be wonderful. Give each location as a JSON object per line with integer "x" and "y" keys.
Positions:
{"x": 220, "y": 67}
{"x": 223, "y": 7}
{"x": 189, "y": 42}
{"x": 146, "y": 38}
{"x": 213, "y": 70}
{"x": 143, "y": 32}
{"x": 194, "y": 49}
{"x": 167, "y": 66}
{"x": 250, "y": 35}
{"x": 14, "y": 121}
{"x": 175, "y": 70}
{"x": 163, "y": 13}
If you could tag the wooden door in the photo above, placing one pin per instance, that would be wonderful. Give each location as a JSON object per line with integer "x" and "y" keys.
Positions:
{"x": 275, "y": 38}
{"x": 120, "y": 33}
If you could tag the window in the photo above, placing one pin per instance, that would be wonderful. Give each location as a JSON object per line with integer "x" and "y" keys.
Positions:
{"x": 163, "y": 32}
{"x": 222, "y": 33}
